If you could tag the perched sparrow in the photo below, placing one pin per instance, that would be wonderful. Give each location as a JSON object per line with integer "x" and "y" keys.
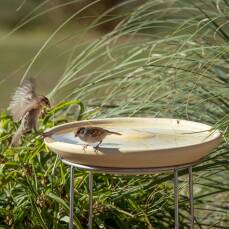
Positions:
{"x": 26, "y": 107}
{"x": 92, "y": 135}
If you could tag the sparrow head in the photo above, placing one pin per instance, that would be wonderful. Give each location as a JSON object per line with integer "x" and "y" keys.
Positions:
{"x": 45, "y": 102}
{"x": 80, "y": 131}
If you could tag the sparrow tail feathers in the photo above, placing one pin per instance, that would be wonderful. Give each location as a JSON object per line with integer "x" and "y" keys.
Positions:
{"x": 17, "y": 136}
{"x": 112, "y": 132}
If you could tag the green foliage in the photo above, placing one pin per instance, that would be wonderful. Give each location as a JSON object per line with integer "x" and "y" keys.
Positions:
{"x": 166, "y": 59}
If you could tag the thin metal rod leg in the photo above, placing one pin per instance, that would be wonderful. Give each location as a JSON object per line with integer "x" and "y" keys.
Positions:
{"x": 191, "y": 198}
{"x": 176, "y": 199}
{"x": 71, "y": 197}
{"x": 90, "y": 200}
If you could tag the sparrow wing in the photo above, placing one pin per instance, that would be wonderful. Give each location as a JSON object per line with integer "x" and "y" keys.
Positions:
{"x": 23, "y": 100}
{"x": 95, "y": 132}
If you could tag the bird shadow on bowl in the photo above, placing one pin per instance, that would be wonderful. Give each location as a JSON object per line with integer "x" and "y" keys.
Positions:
{"x": 108, "y": 149}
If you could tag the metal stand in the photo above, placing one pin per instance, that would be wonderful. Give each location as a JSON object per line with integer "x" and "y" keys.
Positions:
{"x": 191, "y": 197}
{"x": 71, "y": 196}
{"x": 90, "y": 200}
{"x": 176, "y": 199}
{"x": 130, "y": 171}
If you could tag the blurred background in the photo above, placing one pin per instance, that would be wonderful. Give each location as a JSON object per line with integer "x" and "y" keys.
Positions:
{"x": 25, "y": 25}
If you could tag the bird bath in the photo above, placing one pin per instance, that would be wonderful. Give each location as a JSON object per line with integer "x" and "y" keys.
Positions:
{"x": 146, "y": 145}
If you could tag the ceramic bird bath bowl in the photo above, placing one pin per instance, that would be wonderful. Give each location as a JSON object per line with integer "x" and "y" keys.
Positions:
{"x": 144, "y": 143}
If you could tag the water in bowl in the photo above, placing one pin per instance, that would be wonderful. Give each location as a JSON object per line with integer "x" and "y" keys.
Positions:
{"x": 147, "y": 138}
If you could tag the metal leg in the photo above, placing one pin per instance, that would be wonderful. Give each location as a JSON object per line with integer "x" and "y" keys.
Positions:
{"x": 71, "y": 197}
{"x": 90, "y": 200}
{"x": 191, "y": 198}
{"x": 176, "y": 194}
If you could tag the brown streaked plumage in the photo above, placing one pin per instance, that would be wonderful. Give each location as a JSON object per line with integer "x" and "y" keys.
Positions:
{"x": 26, "y": 106}
{"x": 92, "y": 135}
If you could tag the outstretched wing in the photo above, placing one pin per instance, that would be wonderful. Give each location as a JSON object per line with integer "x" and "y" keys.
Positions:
{"x": 22, "y": 100}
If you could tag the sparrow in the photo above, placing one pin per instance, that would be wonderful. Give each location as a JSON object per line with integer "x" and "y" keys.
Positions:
{"x": 26, "y": 106}
{"x": 92, "y": 135}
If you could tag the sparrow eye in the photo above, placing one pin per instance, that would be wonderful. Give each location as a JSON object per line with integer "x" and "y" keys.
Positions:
{"x": 83, "y": 131}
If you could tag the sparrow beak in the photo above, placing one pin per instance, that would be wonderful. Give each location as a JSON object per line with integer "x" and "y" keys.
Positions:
{"x": 45, "y": 106}
{"x": 48, "y": 105}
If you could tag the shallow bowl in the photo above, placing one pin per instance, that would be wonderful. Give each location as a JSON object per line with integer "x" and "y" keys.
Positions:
{"x": 143, "y": 143}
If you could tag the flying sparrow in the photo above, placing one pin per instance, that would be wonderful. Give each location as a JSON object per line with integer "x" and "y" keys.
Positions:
{"x": 26, "y": 106}
{"x": 92, "y": 135}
